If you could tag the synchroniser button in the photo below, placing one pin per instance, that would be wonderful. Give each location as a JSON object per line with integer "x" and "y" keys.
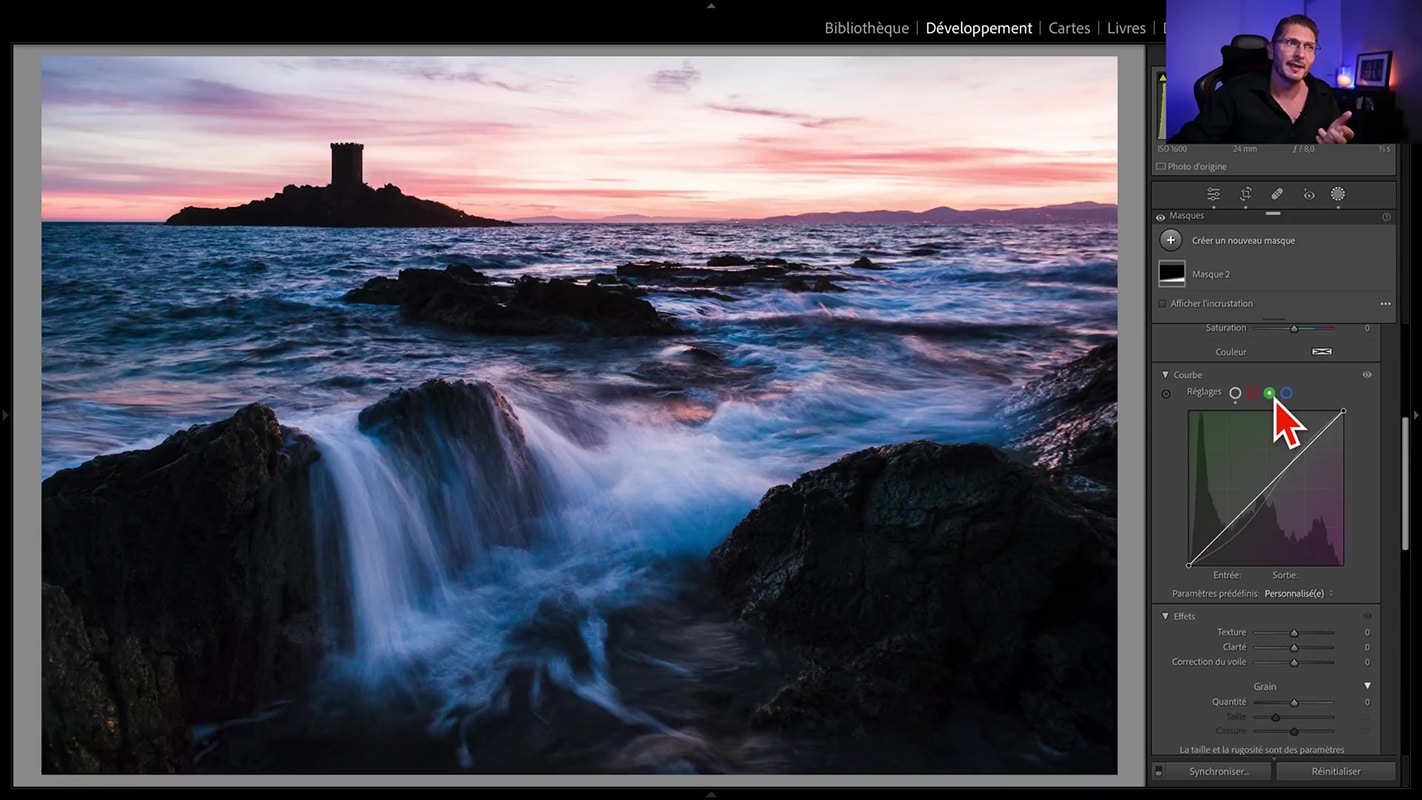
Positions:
{"x": 1218, "y": 771}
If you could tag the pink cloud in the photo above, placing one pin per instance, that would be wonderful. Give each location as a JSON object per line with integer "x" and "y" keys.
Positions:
{"x": 955, "y": 165}
{"x": 804, "y": 120}
{"x": 574, "y": 137}
{"x": 675, "y": 80}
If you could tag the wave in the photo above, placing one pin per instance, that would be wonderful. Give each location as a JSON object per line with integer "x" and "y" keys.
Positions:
{"x": 259, "y": 307}
{"x": 226, "y": 264}
{"x": 932, "y": 329}
{"x": 479, "y": 261}
{"x": 475, "y": 553}
{"x": 1091, "y": 273}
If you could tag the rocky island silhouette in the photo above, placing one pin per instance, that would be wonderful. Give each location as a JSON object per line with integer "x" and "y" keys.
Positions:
{"x": 347, "y": 202}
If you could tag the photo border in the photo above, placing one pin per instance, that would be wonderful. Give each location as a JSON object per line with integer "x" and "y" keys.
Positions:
{"x": 1132, "y": 110}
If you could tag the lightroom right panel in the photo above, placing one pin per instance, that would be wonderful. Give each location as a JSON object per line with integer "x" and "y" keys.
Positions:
{"x": 1277, "y": 226}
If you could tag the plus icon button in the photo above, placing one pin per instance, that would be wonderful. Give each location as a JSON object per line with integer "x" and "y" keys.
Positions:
{"x": 1171, "y": 240}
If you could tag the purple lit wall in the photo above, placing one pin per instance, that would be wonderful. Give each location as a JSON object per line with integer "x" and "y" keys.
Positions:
{"x": 1196, "y": 31}
{"x": 1329, "y": 16}
{"x": 1396, "y": 25}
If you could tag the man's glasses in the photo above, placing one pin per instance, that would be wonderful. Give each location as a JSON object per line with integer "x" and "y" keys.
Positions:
{"x": 1295, "y": 44}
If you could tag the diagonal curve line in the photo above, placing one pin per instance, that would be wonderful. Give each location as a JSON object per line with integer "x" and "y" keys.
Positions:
{"x": 1275, "y": 480}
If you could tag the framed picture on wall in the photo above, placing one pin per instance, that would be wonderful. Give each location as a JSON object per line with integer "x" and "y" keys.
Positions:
{"x": 1374, "y": 69}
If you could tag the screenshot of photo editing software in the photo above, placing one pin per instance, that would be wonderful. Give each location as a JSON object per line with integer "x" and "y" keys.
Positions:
{"x": 717, "y": 399}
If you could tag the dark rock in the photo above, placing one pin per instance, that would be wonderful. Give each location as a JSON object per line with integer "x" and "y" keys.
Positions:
{"x": 695, "y": 367}
{"x": 187, "y": 562}
{"x": 651, "y": 269}
{"x": 337, "y": 207}
{"x": 761, "y": 272}
{"x": 865, "y": 263}
{"x": 924, "y": 251}
{"x": 105, "y": 710}
{"x": 379, "y": 291}
{"x": 415, "y": 283}
{"x": 799, "y": 284}
{"x": 467, "y": 273}
{"x": 741, "y": 277}
{"x": 1069, "y": 418}
{"x": 738, "y": 261}
{"x": 672, "y": 273}
{"x": 612, "y": 310}
{"x": 624, "y": 285}
{"x": 465, "y": 433}
{"x": 458, "y": 297}
{"x": 915, "y": 576}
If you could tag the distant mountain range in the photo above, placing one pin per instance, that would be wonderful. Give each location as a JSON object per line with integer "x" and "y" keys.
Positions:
{"x": 1068, "y": 212}
{"x": 620, "y": 219}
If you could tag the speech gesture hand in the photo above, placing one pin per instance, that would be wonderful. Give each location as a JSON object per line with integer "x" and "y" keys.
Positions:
{"x": 1338, "y": 132}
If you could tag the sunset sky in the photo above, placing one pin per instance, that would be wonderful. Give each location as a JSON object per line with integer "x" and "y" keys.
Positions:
{"x": 139, "y": 138}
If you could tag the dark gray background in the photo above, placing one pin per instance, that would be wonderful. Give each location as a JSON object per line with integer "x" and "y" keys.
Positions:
{"x": 1195, "y": 342}
{"x": 1340, "y": 273}
{"x": 1262, "y": 219}
{"x": 1195, "y": 194}
{"x": 1182, "y": 696}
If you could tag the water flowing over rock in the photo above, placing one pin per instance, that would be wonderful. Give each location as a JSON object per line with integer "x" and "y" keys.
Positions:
{"x": 916, "y": 576}
{"x": 1070, "y": 425}
{"x": 180, "y": 587}
{"x": 413, "y": 500}
{"x": 466, "y": 429}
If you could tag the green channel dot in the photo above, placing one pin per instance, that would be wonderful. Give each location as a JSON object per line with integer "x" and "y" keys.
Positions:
{"x": 1269, "y": 392}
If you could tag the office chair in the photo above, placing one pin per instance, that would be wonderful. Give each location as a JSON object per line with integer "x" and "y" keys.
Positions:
{"x": 1245, "y": 53}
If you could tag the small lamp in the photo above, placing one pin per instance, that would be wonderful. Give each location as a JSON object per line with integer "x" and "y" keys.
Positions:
{"x": 1344, "y": 77}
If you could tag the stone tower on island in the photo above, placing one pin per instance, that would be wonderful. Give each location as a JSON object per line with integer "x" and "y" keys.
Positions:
{"x": 346, "y": 165}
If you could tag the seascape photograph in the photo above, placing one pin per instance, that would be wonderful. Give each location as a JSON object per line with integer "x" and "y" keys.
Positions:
{"x": 579, "y": 415}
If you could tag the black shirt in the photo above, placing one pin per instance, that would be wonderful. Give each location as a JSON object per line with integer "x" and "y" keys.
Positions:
{"x": 1244, "y": 112}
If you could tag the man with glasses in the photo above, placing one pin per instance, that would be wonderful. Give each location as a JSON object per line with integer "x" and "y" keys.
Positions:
{"x": 1284, "y": 105}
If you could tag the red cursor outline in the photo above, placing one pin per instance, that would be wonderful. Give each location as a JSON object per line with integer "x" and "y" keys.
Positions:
{"x": 1286, "y": 425}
